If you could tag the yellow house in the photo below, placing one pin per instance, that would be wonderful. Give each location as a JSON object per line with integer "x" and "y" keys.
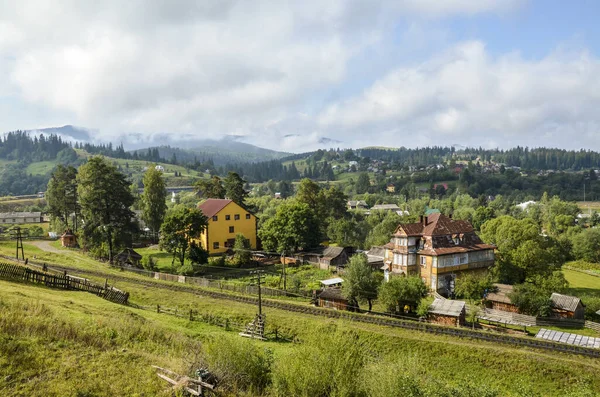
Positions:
{"x": 226, "y": 219}
{"x": 390, "y": 188}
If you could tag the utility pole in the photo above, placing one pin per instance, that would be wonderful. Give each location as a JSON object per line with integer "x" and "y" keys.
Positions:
{"x": 284, "y": 274}
{"x": 19, "y": 238}
{"x": 258, "y": 272}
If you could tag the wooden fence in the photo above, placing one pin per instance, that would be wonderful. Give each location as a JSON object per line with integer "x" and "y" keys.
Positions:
{"x": 62, "y": 281}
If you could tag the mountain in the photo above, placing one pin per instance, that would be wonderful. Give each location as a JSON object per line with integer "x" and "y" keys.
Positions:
{"x": 66, "y": 132}
{"x": 224, "y": 151}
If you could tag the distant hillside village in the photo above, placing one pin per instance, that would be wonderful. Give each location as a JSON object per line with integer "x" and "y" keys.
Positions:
{"x": 426, "y": 232}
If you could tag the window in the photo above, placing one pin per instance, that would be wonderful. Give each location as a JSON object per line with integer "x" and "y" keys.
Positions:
{"x": 216, "y": 245}
{"x": 231, "y": 230}
{"x": 247, "y": 216}
{"x": 227, "y": 217}
{"x": 215, "y": 218}
{"x": 423, "y": 261}
{"x": 456, "y": 240}
{"x": 236, "y": 217}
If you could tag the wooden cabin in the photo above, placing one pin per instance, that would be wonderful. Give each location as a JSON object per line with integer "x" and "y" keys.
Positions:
{"x": 128, "y": 257}
{"x": 565, "y": 306}
{"x": 447, "y": 312}
{"x": 500, "y": 300}
{"x": 331, "y": 298}
{"x": 68, "y": 239}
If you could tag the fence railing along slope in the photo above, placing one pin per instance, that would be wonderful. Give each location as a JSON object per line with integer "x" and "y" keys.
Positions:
{"x": 62, "y": 281}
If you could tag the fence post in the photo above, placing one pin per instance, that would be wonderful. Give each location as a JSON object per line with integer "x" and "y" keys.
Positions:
{"x": 158, "y": 308}
{"x": 191, "y": 315}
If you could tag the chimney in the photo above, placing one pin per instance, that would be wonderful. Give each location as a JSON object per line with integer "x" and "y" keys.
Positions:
{"x": 450, "y": 216}
{"x": 421, "y": 219}
{"x": 424, "y": 220}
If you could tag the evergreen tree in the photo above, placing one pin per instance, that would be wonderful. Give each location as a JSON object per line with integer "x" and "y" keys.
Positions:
{"x": 153, "y": 199}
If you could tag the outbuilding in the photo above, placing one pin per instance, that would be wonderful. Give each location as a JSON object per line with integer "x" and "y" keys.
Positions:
{"x": 565, "y": 306}
{"x": 68, "y": 239}
{"x": 128, "y": 257}
{"x": 500, "y": 300}
{"x": 447, "y": 312}
{"x": 332, "y": 298}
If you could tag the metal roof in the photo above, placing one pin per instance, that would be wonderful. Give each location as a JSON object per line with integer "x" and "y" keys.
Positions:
{"x": 501, "y": 295}
{"x": 332, "y": 281}
{"x": 571, "y": 339}
{"x": 20, "y": 215}
{"x": 447, "y": 307}
{"x": 565, "y": 302}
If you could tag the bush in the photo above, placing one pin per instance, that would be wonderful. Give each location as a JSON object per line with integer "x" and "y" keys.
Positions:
{"x": 471, "y": 286}
{"x": 189, "y": 269}
{"x": 148, "y": 263}
{"x": 240, "y": 365}
{"x": 35, "y": 231}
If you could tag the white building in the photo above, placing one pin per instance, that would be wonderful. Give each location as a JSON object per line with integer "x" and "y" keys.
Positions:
{"x": 20, "y": 217}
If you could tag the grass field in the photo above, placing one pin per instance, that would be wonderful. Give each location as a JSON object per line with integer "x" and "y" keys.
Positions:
{"x": 591, "y": 205}
{"x": 74, "y": 344}
{"x": 581, "y": 284}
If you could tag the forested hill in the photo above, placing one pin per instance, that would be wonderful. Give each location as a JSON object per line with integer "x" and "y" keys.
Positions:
{"x": 537, "y": 158}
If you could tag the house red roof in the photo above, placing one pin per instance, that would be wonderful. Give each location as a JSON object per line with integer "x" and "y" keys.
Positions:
{"x": 212, "y": 206}
{"x": 436, "y": 225}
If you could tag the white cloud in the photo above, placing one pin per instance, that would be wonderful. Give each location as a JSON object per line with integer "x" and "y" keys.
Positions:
{"x": 218, "y": 67}
{"x": 467, "y": 96}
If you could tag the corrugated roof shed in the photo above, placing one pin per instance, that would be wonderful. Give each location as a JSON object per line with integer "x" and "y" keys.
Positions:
{"x": 447, "y": 307}
{"x": 332, "y": 294}
{"x": 376, "y": 251}
{"x": 212, "y": 206}
{"x": 565, "y": 302}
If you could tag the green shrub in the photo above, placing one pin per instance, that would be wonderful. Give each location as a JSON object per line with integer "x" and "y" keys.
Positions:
{"x": 148, "y": 263}
{"x": 239, "y": 364}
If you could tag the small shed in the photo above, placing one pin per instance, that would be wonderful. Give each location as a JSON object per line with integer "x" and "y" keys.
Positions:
{"x": 447, "y": 312}
{"x": 375, "y": 257}
{"x": 499, "y": 299}
{"x": 332, "y": 282}
{"x": 68, "y": 239}
{"x": 565, "y": 306}
{"x": 128, "y": 257}
{"x": 332, "y": 298}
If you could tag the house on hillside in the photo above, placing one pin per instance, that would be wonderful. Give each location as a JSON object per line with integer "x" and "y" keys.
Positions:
{"x": 565, "y": 306}
{"x": 500, "y": 300}
{"x": 390, "y": 188}
{"x": 447, "y": 312}
{"x": 20, "y": 217}
{"x": 439, "y": 249}
{"x": 328, "y": 258}
{"x": 375, "y": 257}
{"x": 159, "y": 168}
{"x": 357, "y": 205}
{"x": 226, "y": 219}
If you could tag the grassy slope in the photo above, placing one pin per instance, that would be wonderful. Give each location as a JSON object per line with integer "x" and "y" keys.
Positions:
{"x": 581, "y": 284}
{"x": 74, "y": 340}
{"x": 447, "y": 358}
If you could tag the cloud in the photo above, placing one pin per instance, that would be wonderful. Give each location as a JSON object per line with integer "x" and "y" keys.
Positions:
{"x": 466, "y": 95}
{"x": 267, "y": 69}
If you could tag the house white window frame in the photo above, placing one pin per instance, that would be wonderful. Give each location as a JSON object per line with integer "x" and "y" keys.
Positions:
{"x": 423, "y": 261}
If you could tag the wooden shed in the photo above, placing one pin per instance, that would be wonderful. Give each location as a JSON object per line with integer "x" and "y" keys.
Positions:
{"x": 128, "y": 257}
{"x": 447, "y": 312}
{"x": 68, "y": 239}
{"x": 565, "y": 306}
{"x": 332, "y": 298}
{"x": 499, "y": 300}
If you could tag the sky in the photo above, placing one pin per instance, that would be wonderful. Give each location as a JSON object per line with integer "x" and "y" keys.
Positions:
{"x": 291, "y": 75}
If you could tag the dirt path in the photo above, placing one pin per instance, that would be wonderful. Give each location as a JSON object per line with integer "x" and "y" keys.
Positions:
{"x": 45, "y": 246}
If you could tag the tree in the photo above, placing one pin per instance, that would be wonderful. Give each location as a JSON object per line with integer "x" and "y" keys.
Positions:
{"x": 105, "y": 198}
{"x": 234, "y": 188}
{"x": 423, "y": 307}
{"x": 180, "y": 227}
{"x": 153, "y": 199}
{"x": 534, "y": 297}
{"x": 295, "y": 225}
{"x": 363, "y": 183}
{"x": 523, "y": 252}
{"x": 61, "y": 194}
{"x": 308, "y": 193}
{"x": 241, "y": 249}
{"x": 472, "y": 286}
{"x": 360, "y": 281}
{"x": 402, "y": 291}
{"x": 586, "y": 245}
{"x": 212, "y": 188}
{"x": 473, "y": 315}
{"x": 481, "y": 216}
